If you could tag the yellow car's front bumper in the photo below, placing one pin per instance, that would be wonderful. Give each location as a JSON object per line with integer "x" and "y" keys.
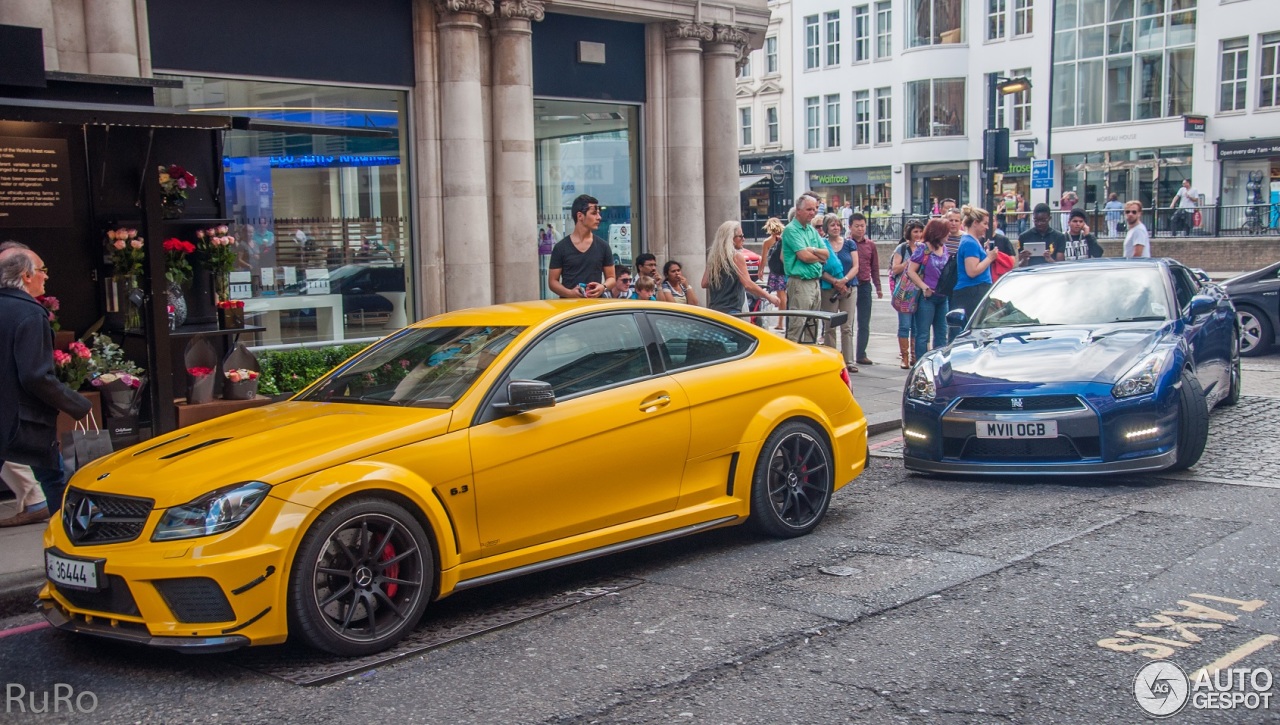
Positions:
{"x": 209, "y": 593}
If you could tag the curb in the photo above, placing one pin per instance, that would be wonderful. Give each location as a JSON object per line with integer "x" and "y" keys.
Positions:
{"x": 878, "y": 423}
{"x": 18, "y": 592}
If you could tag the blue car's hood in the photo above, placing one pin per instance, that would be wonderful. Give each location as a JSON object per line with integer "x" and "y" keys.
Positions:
{"x": 1047, "y": 353}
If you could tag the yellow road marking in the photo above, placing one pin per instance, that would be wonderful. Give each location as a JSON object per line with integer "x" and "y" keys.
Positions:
{"x": 1234, "y": 656}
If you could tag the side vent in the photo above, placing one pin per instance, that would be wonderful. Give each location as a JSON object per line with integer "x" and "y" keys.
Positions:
{"x": 196, "y": 447}
{"x": 733, "y": 471}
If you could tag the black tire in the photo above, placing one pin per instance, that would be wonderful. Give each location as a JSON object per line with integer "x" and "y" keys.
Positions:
{"x": 1255, "y": 331}
{"x": 361, "y": 579}
{"x": 1193, "y": 422}
{"x": 793, "y": 481}
{"x": 1233, "y": 392}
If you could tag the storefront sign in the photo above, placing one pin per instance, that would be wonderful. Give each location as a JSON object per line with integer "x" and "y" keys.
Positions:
{"x": 1027, "y": 147}
{"x": 1019, "y": 167}
{"x": 35, "y": 190}
{"x": 324, "y": 161}
{"x": 1042, "y": 174}
{"x": 1193, "y": 126}
{"x": 847, "y": 177}
{"x": 1251, "y": 149}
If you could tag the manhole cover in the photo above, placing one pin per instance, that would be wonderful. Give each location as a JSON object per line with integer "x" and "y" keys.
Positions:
{"x": 303, "y": 666}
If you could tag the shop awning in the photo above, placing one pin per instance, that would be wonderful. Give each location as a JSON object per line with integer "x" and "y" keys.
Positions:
{"x": 746, "y": 182}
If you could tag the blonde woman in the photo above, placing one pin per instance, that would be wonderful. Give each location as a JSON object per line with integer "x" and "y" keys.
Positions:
{"x": 973, "y": 263}
{"x": 839, "y": 280}
{"x": 772, "y": 252}
{"x": 726, "y": 278}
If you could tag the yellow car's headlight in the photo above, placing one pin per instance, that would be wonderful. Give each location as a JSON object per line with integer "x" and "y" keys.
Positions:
{"x": 212, "y": 513}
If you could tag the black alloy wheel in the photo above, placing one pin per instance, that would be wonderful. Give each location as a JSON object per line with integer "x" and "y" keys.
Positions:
{"x": 362, "y": 578}
{"x": 793, "y": 481}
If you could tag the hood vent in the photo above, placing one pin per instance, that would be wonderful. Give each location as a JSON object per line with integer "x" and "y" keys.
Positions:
{"x": 161, "y": 444}
{"x": 196, "y": 447}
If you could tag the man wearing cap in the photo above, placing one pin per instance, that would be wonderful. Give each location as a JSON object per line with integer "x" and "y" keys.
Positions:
{"x": 1040, "y": 231}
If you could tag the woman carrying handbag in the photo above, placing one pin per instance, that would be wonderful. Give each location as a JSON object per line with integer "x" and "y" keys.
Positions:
{"x": 905, "y": 294}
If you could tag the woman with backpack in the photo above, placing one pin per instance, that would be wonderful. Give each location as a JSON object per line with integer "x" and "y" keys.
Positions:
{"x": 912, "y": 238}
{"x": 777, "y": 282}
{"x": 925, "y": 269}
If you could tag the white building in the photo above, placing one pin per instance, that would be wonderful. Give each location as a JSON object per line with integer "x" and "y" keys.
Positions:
{"x": 891, "y": 98}
{"x": 764, "y": 120}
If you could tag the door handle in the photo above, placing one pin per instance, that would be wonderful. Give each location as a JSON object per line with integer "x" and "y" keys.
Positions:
{"x": 649, "y": 405}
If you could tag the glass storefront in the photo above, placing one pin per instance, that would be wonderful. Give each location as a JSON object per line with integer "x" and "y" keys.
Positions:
{"x": 934, "y": 182}
{"x": 1152, "y": 176}
{"x": 318, "y": 193}
{"x": 591, "y": 148}
{"x": 869, "y": 191}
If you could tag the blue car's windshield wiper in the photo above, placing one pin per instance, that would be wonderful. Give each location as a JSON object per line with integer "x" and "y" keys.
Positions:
{"x": 1146, "y": 318}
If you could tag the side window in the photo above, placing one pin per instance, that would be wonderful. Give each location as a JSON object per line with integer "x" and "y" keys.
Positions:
{"x": 1185, "y": 285}
{"x": 687, "y": 341}
{"x": 599, "y": 352}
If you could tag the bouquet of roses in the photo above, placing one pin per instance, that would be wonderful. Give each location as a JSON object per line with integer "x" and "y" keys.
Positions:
{"x": 199, "y": 371}
{"x": 177, "y": 268}
{"x": 241, "y": 374}
{"x": 218, "y": 247}
{"x": 175, "y": 180}
{"x": 126, "y": 249}
{"x": 73, "y": 367}
{"x": 51, "y": 305}
{"x": 121, "y": 393}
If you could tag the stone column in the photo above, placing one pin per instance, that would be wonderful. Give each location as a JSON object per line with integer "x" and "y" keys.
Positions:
{"x": 73, "y": 56}
{"x": 655, "y": 228}
{"x": 686, "y": 219}
{"x": 111, "y": 36}
{"x": 34, "y": 14}
{"x": 515, "y": 198}
{"x": 428, "y": 255}
{"x": 468, "y": 258}
{"x": 719, "y": 125}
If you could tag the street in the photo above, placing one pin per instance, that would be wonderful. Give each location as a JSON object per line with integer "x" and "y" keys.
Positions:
{"x": 918, "y": 599}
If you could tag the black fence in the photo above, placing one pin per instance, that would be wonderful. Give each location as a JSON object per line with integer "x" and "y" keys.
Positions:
{"x": 1212, "y": 221}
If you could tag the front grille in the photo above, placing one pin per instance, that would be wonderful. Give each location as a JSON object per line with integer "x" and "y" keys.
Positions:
{"x": 115, "y": 597}
{"x": 97, "y": 518}
{"x": 1029, "y": 403}
{"x": 1035, "y": 450}
{"x": 196, "y": 600}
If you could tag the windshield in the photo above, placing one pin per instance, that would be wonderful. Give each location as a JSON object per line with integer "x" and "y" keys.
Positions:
{"x": 1085, "y": 296}
{"x": 429, "y": 367}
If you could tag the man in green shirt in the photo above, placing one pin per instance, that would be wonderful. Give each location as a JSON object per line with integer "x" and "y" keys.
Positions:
{"x": 803, "y": 253}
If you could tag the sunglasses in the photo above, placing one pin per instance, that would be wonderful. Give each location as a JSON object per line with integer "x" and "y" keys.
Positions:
{"x": 624, "y": 280}
{"x": 1130, "y": 211}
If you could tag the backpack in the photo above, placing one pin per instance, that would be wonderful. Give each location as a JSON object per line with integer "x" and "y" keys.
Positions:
{"x": 947, "y": 280}
{"x": 775, "y": 258}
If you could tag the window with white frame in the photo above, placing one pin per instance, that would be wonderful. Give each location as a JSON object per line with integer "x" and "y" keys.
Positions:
{"x": 1235, "y": 73}
{"x": 1021, "y": 102}
{"x": 997, "y": 19}
{"x": 812, "y": 49}
{"x": 861, "y": 118}
{"x": 744, "y": 127}
{"x": 832, "y": 40}
{"x": 745, "y": 70}
{"x": 1022, "y": 17}
{"x": 1269, "y": 73}
{"x": 812, "y": 124}
{"x": 935, "y": 108}
{"x": 771, "y": 54}
{"x": 833, "y": 121}
{"x": 884, "y": 29}
{"x": 935, "y": 22}
{"x": 771, "y": 125}
{"x": 884, "y": 115}
{"x": 861, "y": 33}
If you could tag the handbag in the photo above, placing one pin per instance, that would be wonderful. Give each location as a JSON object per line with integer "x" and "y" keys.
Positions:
{"x": 82, "y": 446}
{"x": 947, "y": 279}
{"x": 906, "y": 296}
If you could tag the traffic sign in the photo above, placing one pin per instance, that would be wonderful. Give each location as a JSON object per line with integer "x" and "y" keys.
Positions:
{"x": 1042, "y": 173}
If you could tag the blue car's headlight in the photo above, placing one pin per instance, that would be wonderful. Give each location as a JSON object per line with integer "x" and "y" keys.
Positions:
{"x": 213, "y": 513}
{"x": 922, "y": 384}
{"x": 1141, "y": 379}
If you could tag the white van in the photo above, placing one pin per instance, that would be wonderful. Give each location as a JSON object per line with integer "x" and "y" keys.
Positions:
{"x": 620, "y": 243}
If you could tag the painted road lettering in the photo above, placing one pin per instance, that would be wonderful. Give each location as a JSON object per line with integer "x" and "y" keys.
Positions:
{"x": 1173, "y": 629}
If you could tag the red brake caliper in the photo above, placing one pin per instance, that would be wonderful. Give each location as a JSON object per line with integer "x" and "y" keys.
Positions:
{"x": 393, "y": 571}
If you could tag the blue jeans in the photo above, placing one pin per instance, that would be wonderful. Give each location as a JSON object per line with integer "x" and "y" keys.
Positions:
{"x": 906, "y": 324}
{"x": 932, "y": 313}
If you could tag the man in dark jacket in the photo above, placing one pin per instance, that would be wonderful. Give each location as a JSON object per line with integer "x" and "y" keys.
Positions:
{"x": 30, "y": 394}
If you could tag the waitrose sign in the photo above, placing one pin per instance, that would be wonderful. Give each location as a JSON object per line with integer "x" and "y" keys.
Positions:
{"x": 845, "y": 177}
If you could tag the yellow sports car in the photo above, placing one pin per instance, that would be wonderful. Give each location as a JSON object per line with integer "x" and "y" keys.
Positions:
{"x": 468, "y": 448}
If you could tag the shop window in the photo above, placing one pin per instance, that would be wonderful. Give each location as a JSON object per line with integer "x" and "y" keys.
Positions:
{"x": 1179, "y": 74}
{"x": 935, "y": 108}
{"x": 833, "y": 122}
{"x": 861, "y": 34}
{"x": 771, "y": 55}
{"x": 321, "y": 220}
{"x": 935, "y": 22}
{"x": 884, "y": 115}
{"x": 884, "y": 29}
{"x": 771, "y": 125}
{"x": 1119, "y": 89}
{"x": 1269, "y": 73}
{"x": 812, "y": 124}
{"x": 1234, "y": 73}
{"x": 744, "y": 127}
{"x": 832, "y": 45}
{"x": 1022, "y": 17}
{"x": 812, "y": 50}
{"x": 861, "y": 118}
{"x": 591, "y": 148}
{"x": 997, "y": 18}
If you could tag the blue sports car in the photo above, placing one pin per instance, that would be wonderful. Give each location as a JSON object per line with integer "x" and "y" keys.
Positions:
{"x": 1097, "y": 366}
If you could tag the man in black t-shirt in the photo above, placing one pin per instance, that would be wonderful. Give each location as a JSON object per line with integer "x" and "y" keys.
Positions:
{"x": 1080, "y": 244}
{"x": 1040, "y": 231}
{"x": 581, "y": 263}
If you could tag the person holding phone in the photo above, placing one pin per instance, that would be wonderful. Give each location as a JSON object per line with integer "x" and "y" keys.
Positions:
{"x": 582, "y": 263}
{"x": 973, "y": 263}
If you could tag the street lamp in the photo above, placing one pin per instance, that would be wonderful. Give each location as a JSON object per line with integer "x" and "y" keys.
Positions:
{"x": 995, "y": 141}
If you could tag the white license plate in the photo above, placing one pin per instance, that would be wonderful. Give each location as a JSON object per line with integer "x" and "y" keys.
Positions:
{"x": 75, "y": 573}
{"x": 1018, "y": 430}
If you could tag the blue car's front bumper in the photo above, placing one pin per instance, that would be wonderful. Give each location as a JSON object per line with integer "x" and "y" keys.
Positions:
{"x": 1096, "y": 432}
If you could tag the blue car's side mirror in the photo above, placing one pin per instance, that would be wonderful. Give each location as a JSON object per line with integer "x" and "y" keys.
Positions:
{"x": 1201, "y": 305}
{"x": 955, "y": 318}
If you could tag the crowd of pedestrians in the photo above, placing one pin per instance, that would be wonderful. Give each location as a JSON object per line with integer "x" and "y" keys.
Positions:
{"x": 826, "y": 262}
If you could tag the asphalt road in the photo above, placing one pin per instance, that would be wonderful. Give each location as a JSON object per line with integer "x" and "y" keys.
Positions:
{"x": 918, "y": 600}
